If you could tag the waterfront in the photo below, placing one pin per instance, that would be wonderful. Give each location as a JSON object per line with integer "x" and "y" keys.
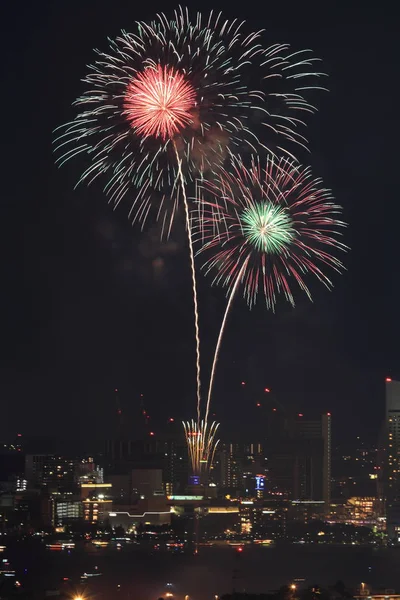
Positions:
{"x": 214, "y": 571}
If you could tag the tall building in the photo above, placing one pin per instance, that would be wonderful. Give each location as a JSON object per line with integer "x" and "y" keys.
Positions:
{"x": 239, "y": 465}
{"x": 319, "y": 430}
{"x": 392, "y": 462}
{"x": 299, "y": 462}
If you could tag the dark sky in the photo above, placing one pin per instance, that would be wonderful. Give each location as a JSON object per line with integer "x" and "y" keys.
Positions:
{"x": 89, "y": 304}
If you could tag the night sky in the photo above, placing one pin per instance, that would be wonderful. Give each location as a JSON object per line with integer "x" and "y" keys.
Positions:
{"x": 89, "y": 303}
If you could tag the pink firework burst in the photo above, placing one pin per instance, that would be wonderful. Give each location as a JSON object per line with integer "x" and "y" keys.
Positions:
{"x": 159, "y": 102}
{"x": 265, "y": 229}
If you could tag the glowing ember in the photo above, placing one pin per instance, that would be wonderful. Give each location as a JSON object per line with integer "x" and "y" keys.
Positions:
{"x": 158, "y": 102}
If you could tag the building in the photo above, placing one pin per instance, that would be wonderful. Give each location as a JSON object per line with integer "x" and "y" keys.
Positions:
{"x": 50, "y": 471}
{"x": 168, "y": 454}
{"x": 87, "y": 471}
{"x": 147, "y": 483}
{"x": 65, "y": 509}
{"x": 239, "y": 466}
{"x": 392, "y": 461}
{"x": 250, "y": 516}
{"x": 97, "y": 502}
{"x": 305, "y": 511}
{"x": 147, "y": 511}
{"x": 299, "y": 462}
{"x": 319, "y": 431}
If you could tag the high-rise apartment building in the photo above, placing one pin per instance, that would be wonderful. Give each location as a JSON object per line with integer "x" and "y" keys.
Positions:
{"x": 239, "y": 463}
{"x": 392, "y": 461}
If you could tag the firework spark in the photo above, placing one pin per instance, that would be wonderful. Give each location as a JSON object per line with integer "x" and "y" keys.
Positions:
{"x": 266, "y": 229}
{"x": 184, "y": 82}
{"x": 201, "y": 443}
{"x": 158, "y": 102}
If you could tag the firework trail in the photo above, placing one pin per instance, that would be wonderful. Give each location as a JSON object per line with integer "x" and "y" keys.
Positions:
{"x": 166, "y": 104}
{"x": 183, "y": 85}
{"x": 266, "y": 228}
{"x": 194, "y": 287}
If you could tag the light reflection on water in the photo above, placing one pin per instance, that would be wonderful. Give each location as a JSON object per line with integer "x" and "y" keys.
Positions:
{"x": 214, "y": 570}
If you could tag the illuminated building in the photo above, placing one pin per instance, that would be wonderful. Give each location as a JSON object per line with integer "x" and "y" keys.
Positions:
{"x": 66, "y": 510}
{"x": 88, "y": 489}
{"x": 146, "y": 511}
{"x": 88, "y": 472}
{"x": 239, "y": 465}
{"x": 21, "y": 484}
{"x": 392, "y": 463}
{"x": 50, "y": 471}
{"x": 250, "y": 516}
{"x": 97, "y": 501}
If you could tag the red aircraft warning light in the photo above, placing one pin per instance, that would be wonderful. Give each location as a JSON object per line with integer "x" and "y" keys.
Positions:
{"x": 258, "y": 404}
{"x": 267, "y": 390}
{"x": 300, "y": 415}
{"x": 151, "y": 433}
{"x": 171, "y": 420}
{"x": 243, "y": 383}
{"x": 239, "y": 549}
{"x": 388, "y": 379}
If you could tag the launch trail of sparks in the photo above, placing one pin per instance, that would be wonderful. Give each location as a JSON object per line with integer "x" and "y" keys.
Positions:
{"x": 266, "y": 228}
{"x": 201, "y": 442}
{"x": 220, "y": 336}
{"x": 194, "y": 287}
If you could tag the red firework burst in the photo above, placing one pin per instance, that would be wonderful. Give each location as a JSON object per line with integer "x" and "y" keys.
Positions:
{"x": 158, "y": 102}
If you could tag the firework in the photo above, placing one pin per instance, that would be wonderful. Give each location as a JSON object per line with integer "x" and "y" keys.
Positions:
{"x": 158, "y": 103}
{"x": 201, "y": 443}
{"x": 266, "y": 229}
{"x": 205, "y": 86}
{"x": 168, "y": 102}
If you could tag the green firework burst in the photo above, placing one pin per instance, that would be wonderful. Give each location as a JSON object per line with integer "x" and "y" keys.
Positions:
{"x": 268, "y": 227}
